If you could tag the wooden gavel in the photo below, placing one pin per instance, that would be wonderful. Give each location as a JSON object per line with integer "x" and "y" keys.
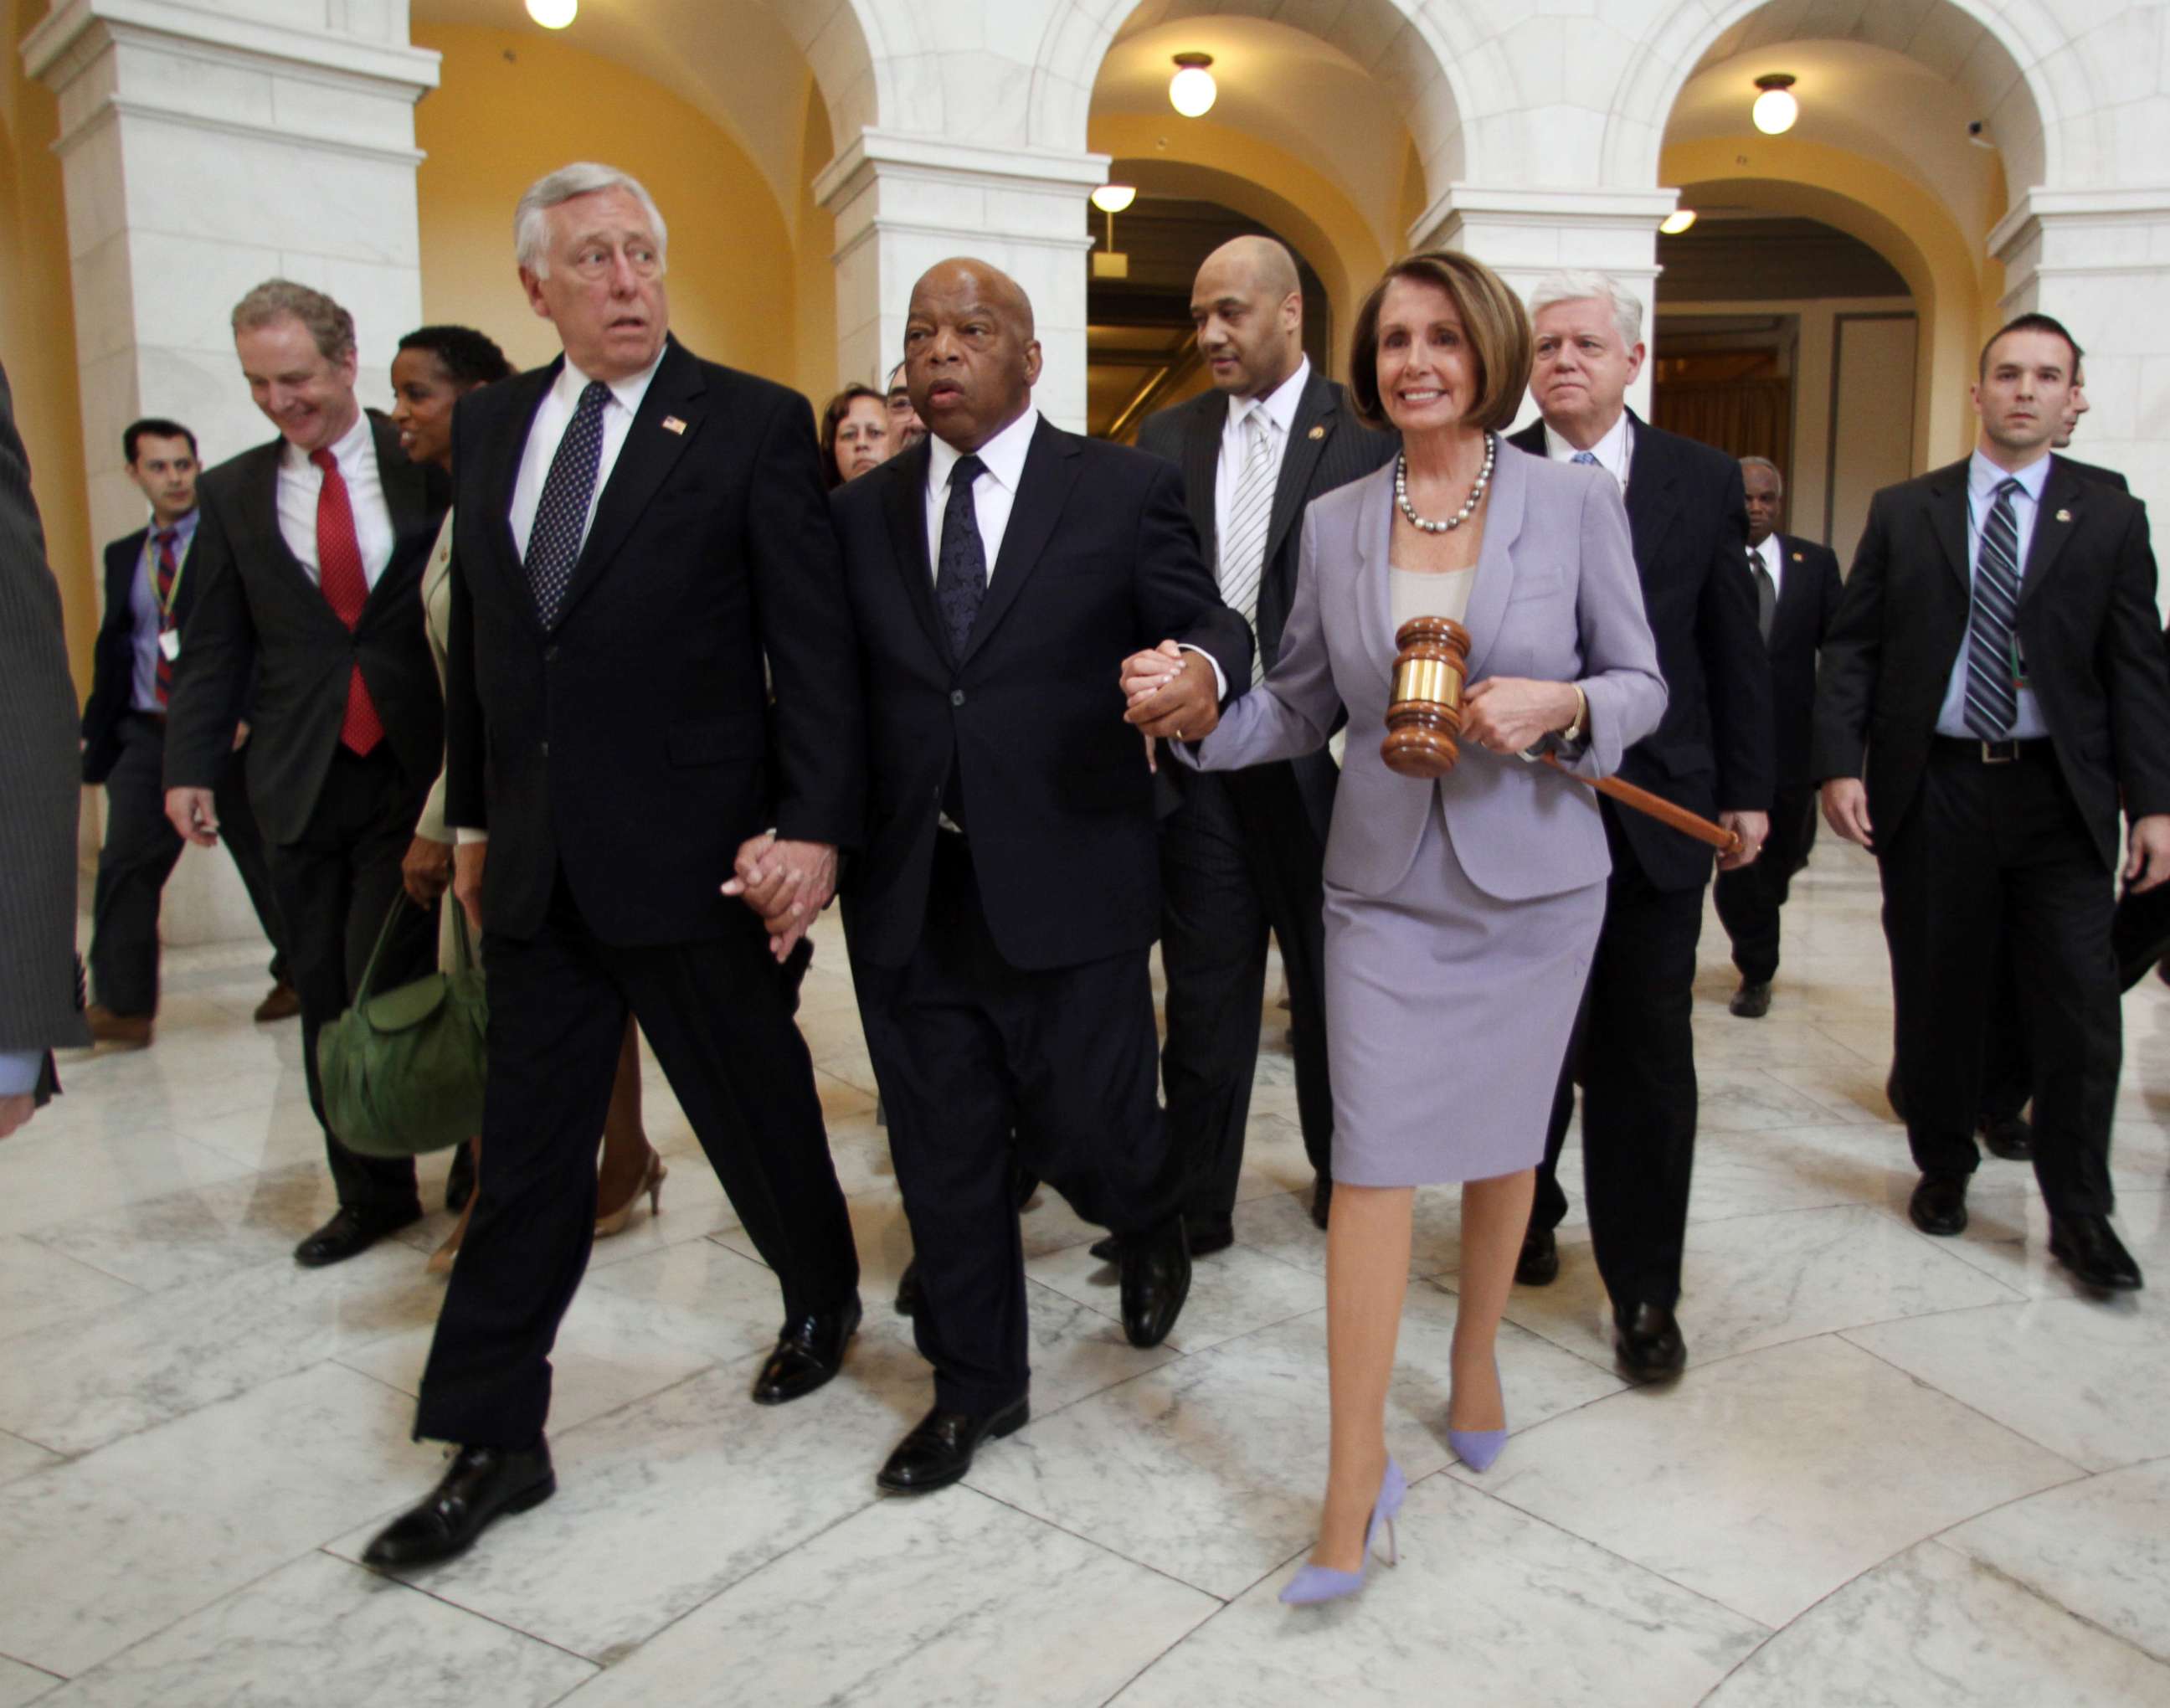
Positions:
{"x": 1424, "y": 721}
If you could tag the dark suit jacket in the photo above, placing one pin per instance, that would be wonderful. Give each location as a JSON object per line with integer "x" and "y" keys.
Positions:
{"x": 253, "y": 604}
{"x": 2087, "y": 626}
{"x": 1808, "y": 601}
{"x": 1715, "y": 749}
{"x": 627, "y": 745}
{"x": 1099, "y": 560}
{"x": 2094, "y": 472}
{"x": 113, "y": 662}
{"x": 1327, "y": 447}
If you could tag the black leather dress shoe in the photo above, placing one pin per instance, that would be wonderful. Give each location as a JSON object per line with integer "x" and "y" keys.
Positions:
{"x": 907, "y": 1290}
{"x": 1752, "y": 1001}
{"x": 483, "y": 1485}
{"x": 1206, "y": 1238}
{"x": 1156, "y": 1281}
{"x": 1649, "y": 1342}
{"x": 808, "y": 1354}
{"x": 2011, "y": 1136}
{"x": 1321, "y": 1201}
{"x": 2089, "y": 1247}
{"x": 939, "y": 1449}
{"x": 1539, "y": 1264}
{"x": 1938, "y": 1205}
{"x": 349, "y": 1235}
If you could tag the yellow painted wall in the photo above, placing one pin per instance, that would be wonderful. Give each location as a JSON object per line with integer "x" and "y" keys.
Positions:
{"x": 37, "y": 334}
{"x": 511, "y": 107}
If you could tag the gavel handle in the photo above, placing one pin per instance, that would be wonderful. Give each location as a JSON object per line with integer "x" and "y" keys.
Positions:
{"x": 1679, "y": 817}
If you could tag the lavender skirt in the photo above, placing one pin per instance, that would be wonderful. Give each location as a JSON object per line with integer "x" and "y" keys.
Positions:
{"x": 1447, "y": 1017}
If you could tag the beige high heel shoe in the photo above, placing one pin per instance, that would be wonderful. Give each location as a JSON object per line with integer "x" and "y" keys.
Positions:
{"x": 617, "y": 1221}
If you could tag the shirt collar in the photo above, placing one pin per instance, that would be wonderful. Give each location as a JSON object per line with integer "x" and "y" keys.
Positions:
{"x": 185, "y": 529}
{"x": 348, "y": 450}
{"x": 1004, "y": 454}
{"x": 1611, "y": 451}
{"x": 1772, "y": 551}
{"x": 1984, "y": 476}
{"x": 627, "y": 392}
{"x": 1280, "y": 404}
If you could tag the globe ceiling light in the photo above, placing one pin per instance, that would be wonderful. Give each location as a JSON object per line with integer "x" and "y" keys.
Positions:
{"x": 554, "y": 14}
{"x": 1192, "y": 91}
{"x": 1677, "y": 221}
{"x": 1114, "y": 198}
{"x": 1775, "y": 108}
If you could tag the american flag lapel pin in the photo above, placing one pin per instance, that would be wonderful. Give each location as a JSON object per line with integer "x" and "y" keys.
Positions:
{"x": 671, "y": 424}
{"x": 2064, "y": 516}
{"x": 1318, "y": 432}
{"x": 1799, "y": 558}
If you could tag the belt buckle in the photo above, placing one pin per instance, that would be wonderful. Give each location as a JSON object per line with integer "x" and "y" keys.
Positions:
{"x": 1991, "y": 756}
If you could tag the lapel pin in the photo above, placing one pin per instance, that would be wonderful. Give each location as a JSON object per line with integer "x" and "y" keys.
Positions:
{"x": 1798, "y": 558}
{"x": 671, "y": 424}
{"x": 2064, "y": 516}
{"x": 1318, "y": 432}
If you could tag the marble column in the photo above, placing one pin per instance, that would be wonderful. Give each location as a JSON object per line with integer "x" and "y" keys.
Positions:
{"x": 903, "y": 202}
{"x": 1525, "y": 232}
{"x": 205, "y": 147}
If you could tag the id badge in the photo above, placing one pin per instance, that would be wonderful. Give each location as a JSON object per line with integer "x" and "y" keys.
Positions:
{"x": 169, "y": 643}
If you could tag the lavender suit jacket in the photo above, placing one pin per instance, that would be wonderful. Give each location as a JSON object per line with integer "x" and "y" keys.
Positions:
{"x": 1555, "y": 597}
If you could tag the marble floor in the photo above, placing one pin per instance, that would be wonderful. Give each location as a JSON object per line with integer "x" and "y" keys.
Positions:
{"x": 1898, "y": 1471}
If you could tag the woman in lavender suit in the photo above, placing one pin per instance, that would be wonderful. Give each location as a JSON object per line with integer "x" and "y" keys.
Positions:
{"x": 1460, "y": 915}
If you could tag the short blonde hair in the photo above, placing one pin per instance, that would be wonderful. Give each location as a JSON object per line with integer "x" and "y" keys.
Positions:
{"x": 1493, "y": 320}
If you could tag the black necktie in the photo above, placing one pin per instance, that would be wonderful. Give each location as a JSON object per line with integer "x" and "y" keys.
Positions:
{"x": 561, "y": 515}
{"x": 961, "y": 579}
{"x": 1992, "y": 694}
{"x": 1766, "y": 593}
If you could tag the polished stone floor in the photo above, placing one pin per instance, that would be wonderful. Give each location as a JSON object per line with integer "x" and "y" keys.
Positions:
{"x": 1899, "y": 1470}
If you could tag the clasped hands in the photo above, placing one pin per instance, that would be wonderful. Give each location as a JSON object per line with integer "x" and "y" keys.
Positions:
{"x": 787, "y": 883}
{"x": 1170, "y": 693}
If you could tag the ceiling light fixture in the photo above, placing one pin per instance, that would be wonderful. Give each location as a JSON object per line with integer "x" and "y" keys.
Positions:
{"x": 1111, "y": 199}
{"x": 1677, "y": 221}
{"x": 1192, "y": 91}
{"x": 1114, "y": 198}
{"x": 554, "y": 14}
{"x": 1775, "y": 108}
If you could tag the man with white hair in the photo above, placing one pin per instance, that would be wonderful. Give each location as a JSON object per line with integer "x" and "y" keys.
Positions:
{"x": 1712, "y": 754}
{"x": 638, "y": 529}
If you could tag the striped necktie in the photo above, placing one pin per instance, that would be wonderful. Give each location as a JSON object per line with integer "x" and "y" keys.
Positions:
{"x": 1250, "y": 513}
{"x": 1992, "y": 689}
{"x": 161, "y": 583}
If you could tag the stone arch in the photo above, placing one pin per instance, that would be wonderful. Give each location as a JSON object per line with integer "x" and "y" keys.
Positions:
{"x": 862, "y": 52}
{"x": 1969, "y": 40}
{"x": 1399, "y": 42}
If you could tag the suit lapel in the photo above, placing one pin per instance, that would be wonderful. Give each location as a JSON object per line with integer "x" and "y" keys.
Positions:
{"x": 1050, "y": 470}
{"x": 1795, "y": 594}
{"x": 2054, "y": 520}
{"x": 1201, "y": 470}
{"x": 1375, "y": 545}
{"x": 1495, "y": 565}
{"x": 504, "y": 453}
{"x": 406, "y": 486}
{"x": 1654, "y": 498}
{"x": 904, "y": 502}
{"x": 1948, "y": 517}
{"x": 650, "y": 452}
{"x": 1314, "y": 421}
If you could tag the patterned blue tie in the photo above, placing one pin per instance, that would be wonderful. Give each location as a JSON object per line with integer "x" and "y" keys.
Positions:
{"x": 1585, "y": 457}
{"x": 1992, "y": 695}
{"x": 553, "y": 546}
{"x": 961, "y": 579}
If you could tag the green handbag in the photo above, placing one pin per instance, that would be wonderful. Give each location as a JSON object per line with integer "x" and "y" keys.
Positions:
{"x": 402, "y": 1072}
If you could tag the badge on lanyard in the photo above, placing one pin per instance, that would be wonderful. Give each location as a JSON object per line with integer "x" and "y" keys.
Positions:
{"x": 169, "y": 643}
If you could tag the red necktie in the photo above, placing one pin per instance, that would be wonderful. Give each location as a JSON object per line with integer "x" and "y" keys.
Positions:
{"x": 163, "y": 583}
{"x": 346, "y": 589}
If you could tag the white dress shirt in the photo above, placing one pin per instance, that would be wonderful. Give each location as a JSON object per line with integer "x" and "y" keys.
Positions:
{"x": 1276, "y": 411}
{"x": 1614, "y": 453}
{"x": 1983, "y": 477}
{"x": 301, "y": 481}
{"x": 1774, "y": 560}
{"x": 144, "y": 605}
{"x": 551, "y": 417}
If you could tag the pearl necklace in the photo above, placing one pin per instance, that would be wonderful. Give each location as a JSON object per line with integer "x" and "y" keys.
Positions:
{"x": 1468, "y": 509}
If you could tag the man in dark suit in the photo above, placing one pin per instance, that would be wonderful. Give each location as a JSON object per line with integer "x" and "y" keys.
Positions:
{"x": 1713, "y": 753}
{"x": 1244, "y": 852}
{"x": 39, "y": 992}
{"x": 1001, "y": 919}
{"x": 307, "y": 565}
{"x": 1797, "y": 586}
{"x": 148, "y": 596}
{"x": 637, "y": 529}
{"x": 1994, "y": 687}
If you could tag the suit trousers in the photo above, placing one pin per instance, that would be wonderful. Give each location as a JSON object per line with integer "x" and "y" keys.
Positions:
{"x": 140, "y": 850}
{"x": 986, "y": 1068}
{"x": 1636, "y": 1046}
{"x": 335, "y": 885}
{"x": 1748, "y": 899}
{"x": 1987, "y": 856}
{"x": 1238, "y": 858}
{"x": 716, "y": 1013}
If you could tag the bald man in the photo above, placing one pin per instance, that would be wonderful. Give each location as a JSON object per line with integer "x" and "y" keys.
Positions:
{"x": 1243, "y": 852}
{"x": 1001, "y": 914}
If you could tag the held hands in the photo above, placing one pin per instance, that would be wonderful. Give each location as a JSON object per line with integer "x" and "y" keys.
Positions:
{"x": 2148, "y": 860}
{"x": 427, "y": 870}
{"x": 194, "y": 815}
{"x": 1512, "y": 714}
{"x": 1171, "y": 693}
{"x": 1846, "y": 810}
{"x": 1752, "y": 829}
{"x": 467, "y": 861}
{"x": 787, "y": 883}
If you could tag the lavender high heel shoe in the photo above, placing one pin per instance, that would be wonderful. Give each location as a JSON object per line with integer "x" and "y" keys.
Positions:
{"x": 1477, "y": 1448}
{"x": 1317, "y": 1583}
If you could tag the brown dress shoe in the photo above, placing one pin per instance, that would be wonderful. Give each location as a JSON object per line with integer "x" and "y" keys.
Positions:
{"x": 281, "y": 1002}
{"x": 123, "y": 1032}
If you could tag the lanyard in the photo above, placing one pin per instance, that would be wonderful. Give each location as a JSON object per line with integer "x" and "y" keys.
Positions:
{"x": 151, "y": 568}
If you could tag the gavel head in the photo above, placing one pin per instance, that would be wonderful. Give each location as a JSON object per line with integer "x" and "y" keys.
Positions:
{"x": 1424, "y": 712}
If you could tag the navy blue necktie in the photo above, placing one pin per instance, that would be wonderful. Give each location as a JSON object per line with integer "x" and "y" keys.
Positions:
{"x": 961, "y": 579}
{"x": 561, "y": 515}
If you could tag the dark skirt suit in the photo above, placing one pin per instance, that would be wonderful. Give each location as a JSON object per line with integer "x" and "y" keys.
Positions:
{"x": 1461, "y": 915}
